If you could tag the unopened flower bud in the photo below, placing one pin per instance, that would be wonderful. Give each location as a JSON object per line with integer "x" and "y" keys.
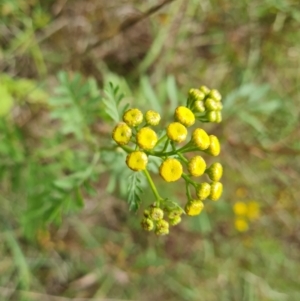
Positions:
{"x": 203, "y": 191}
{"x": 215, "y": 191}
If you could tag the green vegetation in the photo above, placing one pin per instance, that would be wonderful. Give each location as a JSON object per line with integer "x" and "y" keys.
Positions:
{"x": 65, "y": 226}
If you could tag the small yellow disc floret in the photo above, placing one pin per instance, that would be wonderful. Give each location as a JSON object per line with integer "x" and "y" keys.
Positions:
{"x": 200, "y": 139}
{"x": 196, "y": 166}
{"x": 176, "y": 132}
{"x": 170, "y": 170}
{"x": 146, "y": 138}
{"x": 152, "y": 118}
{"x": 137, "y": 160}
{"x": 133, "y": 117}
{"x": 185, "y": 116}
{"x": 122, "y": 133}
{"x": 215, "y": 171}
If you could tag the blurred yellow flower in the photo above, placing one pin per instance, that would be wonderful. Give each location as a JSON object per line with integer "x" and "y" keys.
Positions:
{"x": 253, "y": 211}
{"x": 240, "y": 208}
{"x": 241, "y": 225}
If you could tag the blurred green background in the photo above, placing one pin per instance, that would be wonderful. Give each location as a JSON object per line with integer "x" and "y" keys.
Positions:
{"x": 66, "y": 232}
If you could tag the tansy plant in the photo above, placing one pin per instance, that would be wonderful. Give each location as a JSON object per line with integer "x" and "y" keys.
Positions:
{"x": 137, "y": 136}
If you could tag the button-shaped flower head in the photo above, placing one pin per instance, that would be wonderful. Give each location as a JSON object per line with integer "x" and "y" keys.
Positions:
{"x": 211, "y": 104}
{"x": 152, "y": 118}
{"x": 241, "y": 224}
{"x": 204, "y": 89}
{"x": 203, "y": 191}
{"x": 185, "y": 116}
{"x": 199, "y": 106}
{"x": 215, "y": 171}
{"x": 176, "y": 132}
{"x": 194, "y": 207}
{"x": 200, "y": 139}
{"x": 156, "y": 213}
{"x": 146, "y": 138}
{"x": 170, "y": 170}
{"x": 240, "y": 208}
{"x": 195, "y": 94}
{"x": 215, "y": 94}
{"x": 196, "y": 166}
{"x": 216, "y": 189}
{"x": 122, "y": 133}
{"x": 147, "y": 224}
{"x": 162, "y": 227}
{"x": 133, "y": 117}
{"x": 214, "y": 146}
{"x": 137, "y": 161}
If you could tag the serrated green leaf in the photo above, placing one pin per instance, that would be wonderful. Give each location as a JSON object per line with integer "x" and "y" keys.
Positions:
{"x": 134, "y": 191}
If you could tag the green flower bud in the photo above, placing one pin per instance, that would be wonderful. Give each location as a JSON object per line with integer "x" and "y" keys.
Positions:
{"x": 174, "y": 213}
{"x": 218, "y": 116}
{"x": 156, "y": 214}
{"x": 215, "y": 94}
{"x": 146, "y": 213}
{"x": 212, "y": 116}
{"x": 196, "y": 95}
{"x": 204, "y": 89}
{"x": 203, "y": 191}
{"x": 211, "y": 104}
{"x": 162, "y": 227}
{"x": 175, "y": 221}
{"x": 147, "y": 224}
{"x": 216, "y": 191}
{"x": 215, "y": 172}
{"x": 199, "y": 106}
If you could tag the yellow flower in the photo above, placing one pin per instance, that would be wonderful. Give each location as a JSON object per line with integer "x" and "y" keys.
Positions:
{"x": 216, "y": 189}
{"x": 146, "y": 138}
{"x": 162, "y": 227}
{"x": 215, "y": 171}
{"x": 147, "y": 224}
{"x": 194, "y": 207}
{"x": 200, "y": 139}
{"x": 196, "y": 166}
{"x": 214, "y": 146}
{"x": 184, "y": 116}
{"x": 152, "y": 118}
{"x": 240, "y": 208}
{"x": 122, "y": 133}
{"x": 170, "y": 170}
{"x": 203, "y": 191}
{"x": 133, "y": 117}
{"x": 176, "y": 132}
{"x": 241, "y": 225}
{"x": 253, "y": 210}
{"x": 137, "y": 160}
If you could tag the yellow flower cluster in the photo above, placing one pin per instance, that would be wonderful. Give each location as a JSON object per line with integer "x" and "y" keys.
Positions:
{"x": 136, "y": 136}
{"x": 245, "y": 213}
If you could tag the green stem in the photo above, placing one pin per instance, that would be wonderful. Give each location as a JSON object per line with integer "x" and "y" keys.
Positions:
{"x": 183, "y": 158}
{"x": 152, "y": 185}
{"x": 127, "y": 149}
{"x": 188, "y": 180}
{"x": 161, "y": 139}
